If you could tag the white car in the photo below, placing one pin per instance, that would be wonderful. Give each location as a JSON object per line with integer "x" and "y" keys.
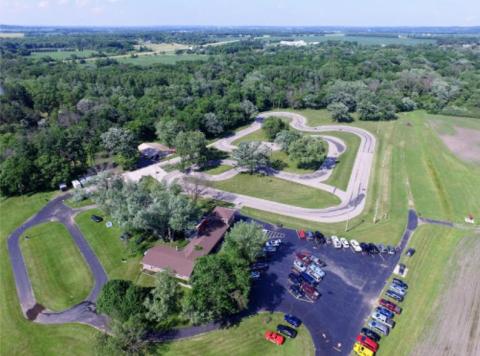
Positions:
{"x": 299, "y": 266}
{"x": 344, "y": 242}
{"x": 336, "y": 242}
{"x": 355, "y": 246}
{"x": 273, "y": 243}
{"x": 316, "y": 272}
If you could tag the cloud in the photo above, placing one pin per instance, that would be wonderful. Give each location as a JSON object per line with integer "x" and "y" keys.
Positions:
{"x": 62, "y": 2}
{"x": 42, "y": 4}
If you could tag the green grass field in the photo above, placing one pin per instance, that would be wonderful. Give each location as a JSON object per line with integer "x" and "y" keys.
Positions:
{"x": 278, "y": 190}
{"x": 59, "y": 274}
{"x": 244, "y": 339}
{"x": 19, "y": 336}
{"x": 258, "y": 135}
{"x": 61, "y": 55}
{"x": 217, "y": 170}
{"x": 287, "y": 164}
{"x": 427, "y": 275}
{"x": 161, "y": 59}
{"x": 78, "y": 204}
{"x": 109, "y": 248}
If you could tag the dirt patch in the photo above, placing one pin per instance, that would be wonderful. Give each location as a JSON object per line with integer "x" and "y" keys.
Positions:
{"x": 455, "y": 329}
{"x": 464, "y": 143}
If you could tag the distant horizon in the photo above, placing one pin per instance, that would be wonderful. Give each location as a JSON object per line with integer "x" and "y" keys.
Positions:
{"x": 249, "y": 13}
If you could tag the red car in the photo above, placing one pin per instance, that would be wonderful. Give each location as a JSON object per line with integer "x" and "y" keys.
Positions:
{"x": 303, "y": 256}
{"x": 301, "y": 234}
{"x": 310, "y": 291}
{"x": 274, "y": 337}
{"x": 390, "y": 306}
{"x": 367, "y": 342}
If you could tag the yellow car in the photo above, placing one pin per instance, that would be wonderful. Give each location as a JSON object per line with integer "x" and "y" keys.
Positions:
{"x": 361, "y": 350}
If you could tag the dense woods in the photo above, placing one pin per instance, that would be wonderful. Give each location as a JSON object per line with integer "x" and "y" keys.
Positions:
{"x": 53, "y": 113}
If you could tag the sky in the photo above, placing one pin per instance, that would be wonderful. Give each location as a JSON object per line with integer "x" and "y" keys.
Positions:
{"x": 241, "y": 12}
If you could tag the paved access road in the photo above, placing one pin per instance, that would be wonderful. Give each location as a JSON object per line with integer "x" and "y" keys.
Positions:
{"x": 55, "y": 210}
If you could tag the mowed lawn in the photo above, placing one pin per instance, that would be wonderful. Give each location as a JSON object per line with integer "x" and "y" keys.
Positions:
{"x": 217, "y": 169}
{"x": 107, "y": 245}
{"x": 258, "y": 135}
{"x": 17, "y": 335}
{"x": 59, "y": 274}
{"x": 244, "y": 339}
{"x": 278, "y": 190}
{"x": 428, "y": 272}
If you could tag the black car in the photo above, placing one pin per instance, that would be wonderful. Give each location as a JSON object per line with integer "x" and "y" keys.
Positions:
{"x": 259, "y": 266}
{"x": 391, "y": 250}
{"x": 400, "y": 283}
{"x": 364, "y": 247}
{"x": 370, "y": 334}
{"x": 292, "y": 320}
{"x": 394, "y": 295}
{"x": 296, "y": 291}
{"x": 287, "y": 331}
{"x": 373, "y": 249}
{"x": 96, "y": 218}
{"x": 401, "y": 268}
{"x": 294, "y": 278}
{"x": 410, "y": 252}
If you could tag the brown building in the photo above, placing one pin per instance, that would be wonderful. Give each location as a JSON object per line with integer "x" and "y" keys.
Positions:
{"x": 210, "y": 232}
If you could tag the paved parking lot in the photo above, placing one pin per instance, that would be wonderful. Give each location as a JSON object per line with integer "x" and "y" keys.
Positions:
{"x": 352, "y": 283}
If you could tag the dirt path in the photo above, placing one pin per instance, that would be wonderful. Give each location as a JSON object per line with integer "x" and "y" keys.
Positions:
{"x": 455, "y": 329}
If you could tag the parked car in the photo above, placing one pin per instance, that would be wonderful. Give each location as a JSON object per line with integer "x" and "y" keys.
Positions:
{"x": 310, "y": 235}
{"x": 259, "y": 266}
{"x": 310, "y": 291}
{"x": 361, "y": 350}
{"x": 318, "y": 234}
{"x": 344, "y": 242}
{"x": 296, "y": 291}
{"x": 336, "y": 242}
{"x": 321, "y": 240}
{"x": 373, "y": 249}
{"x": 287, "y": 331}
{"x": 410, "y": 252}
{"x": 391, "y": 250}
{"x": 390, "y": 306}
{"x": 273, "y": 243}
{"x": 379, "y": 317}
{"x": 255, "y": 275}
{"x": 294, "y": 278}
{"x": 292, "y": 320}
{"x": 397, "y": 289}
{"x": 318, "y": 261}
{"x": 301, "y": 234}
{"x": 401, "y": 269}
{"x": 382, "y": 248}
{"x": 364, "y": 247}
{"x": 392, "y": 294}
{"x": 381, "y": 328}
{"x": 308, "y": 278}
{"x": 389, "y": 314}
{"x": 355, "y": 246}
{"x": 328, "y": 240}
{"x": 299, "y": 266}
{"x": 303, "y": 256}
{"x": 269, "y": 249}
{"x": 371, "y": 334}
{"x": 367, "y": 342}
{"x": 274, "y": 337}
{"x": 316, "y": 272}
{"x": 96, "y": 218}
{"x": 400, "y": 283}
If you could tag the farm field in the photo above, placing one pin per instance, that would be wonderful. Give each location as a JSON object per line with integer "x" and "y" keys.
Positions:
{"x": 278, "y": 190}
{"x": 363, "y": 40}
{"x": 12, "y": 34}
{"x": 60, "y": 55}
{"x": 146, "y": 60}
{"x": 60, "y": 277}
{"x": 244, "y": 339}
{"x": 42, "y": 339}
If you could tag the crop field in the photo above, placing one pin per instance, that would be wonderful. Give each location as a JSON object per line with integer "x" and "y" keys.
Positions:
{"x": 165, "y": 47}
{"x": 146, "y": 60}
{"x": 61, "y": 55}
{"x": 363, "y": 40}
{"x": 12, "y": 34}
{"x": 60, "y": 277}
{"x": 19, "y": 336}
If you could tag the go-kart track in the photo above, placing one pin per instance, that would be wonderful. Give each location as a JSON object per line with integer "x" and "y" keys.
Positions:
{"x": 352, "y": 200}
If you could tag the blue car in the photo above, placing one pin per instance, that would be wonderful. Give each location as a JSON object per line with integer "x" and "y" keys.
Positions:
{"x": 292, "y": 320}
{"x": 385, "y": 311}
{"x": 309, "y": 279}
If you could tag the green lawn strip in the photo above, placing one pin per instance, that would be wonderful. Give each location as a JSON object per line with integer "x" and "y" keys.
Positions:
{"x": 279, "y": 190}
{"x": 78, "y": 204}
{"x": 109, "y": 248}
{"x": 60, "y": 55}
{"x": 18, "y": 335}
{"x": 288, "y": 165}
{"x": 59, "y": 274}
{"x": 427, "y": 275}
{"x": 244, "y": 339}
{"x": 343, "y": 169}
{"x": 258, "y": 135}
{"x": 217, "y": 170}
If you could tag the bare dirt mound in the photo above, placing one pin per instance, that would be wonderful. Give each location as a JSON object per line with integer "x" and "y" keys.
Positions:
{"x": 455, "y": 329}
{"x": 465, "y": 143}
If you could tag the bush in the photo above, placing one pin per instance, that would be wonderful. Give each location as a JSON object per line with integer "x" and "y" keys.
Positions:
{"x": 273, "y": 125}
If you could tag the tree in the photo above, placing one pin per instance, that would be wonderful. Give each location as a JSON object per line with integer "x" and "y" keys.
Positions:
{"x": 339, "y": 112}
{"x": 167, "y": 130}
{"x": 212, "y": 124}
{"x": 122, "y": 143}
{"x": 286, "y": 137}
{"x": 220, "y": 287}
{"x": 191, "y": 146}
{"x": 245, "y": 241}
{"x": 18, "y": 175}
{"x": 162, "y": 301}
{"x": 308, "y": 152}
{"x": 272, "y": 126}
{"x": 251, "y": 156}
{"x": 407, "y": 104}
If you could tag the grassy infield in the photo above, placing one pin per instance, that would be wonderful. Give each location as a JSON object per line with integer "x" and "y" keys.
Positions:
{"x": 441, "y": 187}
